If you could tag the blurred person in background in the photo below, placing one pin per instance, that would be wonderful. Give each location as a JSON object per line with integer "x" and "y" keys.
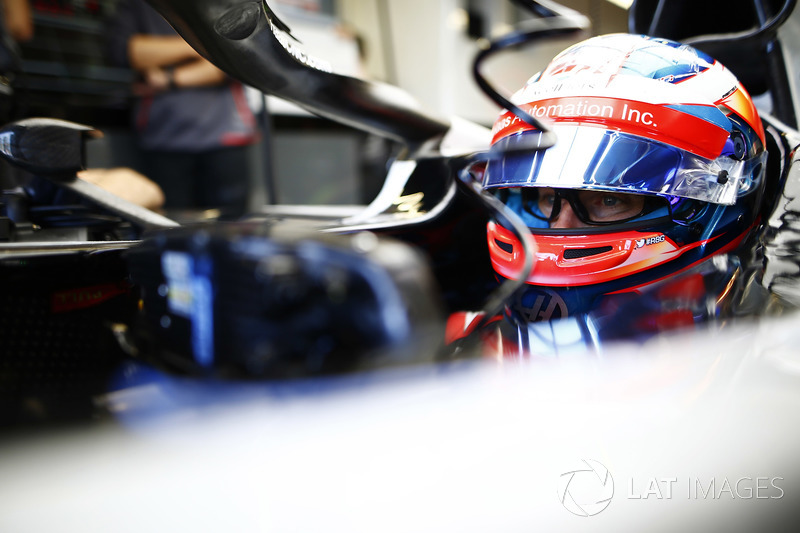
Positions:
{"x": 192, "y": 122}
{"x": 16, "y": 25}
{"x": 17, "y": 19}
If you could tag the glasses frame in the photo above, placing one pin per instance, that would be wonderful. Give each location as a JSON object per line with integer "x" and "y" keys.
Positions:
{"x": 530, "y": 194}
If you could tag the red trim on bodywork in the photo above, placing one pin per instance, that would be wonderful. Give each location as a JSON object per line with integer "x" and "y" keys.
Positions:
{"x": 461, "y": 323}
{"x": 690, "y": 288}
{"x": 665, "y": 320}
{"x": 85, "y": 297}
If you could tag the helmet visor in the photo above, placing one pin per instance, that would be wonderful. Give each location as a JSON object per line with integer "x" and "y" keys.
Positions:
{"x": 588, "y": 157}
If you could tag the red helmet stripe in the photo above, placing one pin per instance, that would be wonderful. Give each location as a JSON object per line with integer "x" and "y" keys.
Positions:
{"x": 653, "y": 121}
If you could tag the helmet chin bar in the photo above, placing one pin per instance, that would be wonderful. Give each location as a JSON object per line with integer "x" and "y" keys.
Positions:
{"x": 578, "y": 258}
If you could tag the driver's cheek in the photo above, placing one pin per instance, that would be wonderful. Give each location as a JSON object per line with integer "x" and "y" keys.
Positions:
{"x": 567, "y": 218}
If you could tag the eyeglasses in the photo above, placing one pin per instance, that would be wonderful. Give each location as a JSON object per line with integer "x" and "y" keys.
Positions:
{"x": 590, "y": 206}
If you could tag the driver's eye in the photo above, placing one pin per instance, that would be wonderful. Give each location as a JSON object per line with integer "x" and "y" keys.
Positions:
{"x": 610, "y": 201}
{"x": 547, "y": 199}
{"x": 602, "y": 207}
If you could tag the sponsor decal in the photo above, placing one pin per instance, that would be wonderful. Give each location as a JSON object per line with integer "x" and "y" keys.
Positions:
{"x": 84, "y": 297}
{"x": 658, "y": 122}
{"x": 649, "y": 241}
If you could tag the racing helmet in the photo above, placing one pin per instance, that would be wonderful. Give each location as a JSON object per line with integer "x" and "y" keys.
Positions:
{"x": 659, "y": 161}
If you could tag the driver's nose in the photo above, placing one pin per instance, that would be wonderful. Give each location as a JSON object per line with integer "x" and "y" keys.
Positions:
{"x": 567, "y": 218}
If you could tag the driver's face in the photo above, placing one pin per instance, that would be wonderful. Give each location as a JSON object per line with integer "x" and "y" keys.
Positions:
{"x": 599, "y": 206}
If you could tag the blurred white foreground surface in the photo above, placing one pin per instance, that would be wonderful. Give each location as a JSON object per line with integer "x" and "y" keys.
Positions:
{"x": 698, "y": 432}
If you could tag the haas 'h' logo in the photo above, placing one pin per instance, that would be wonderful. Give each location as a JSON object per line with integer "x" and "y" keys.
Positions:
{"x": 541, "y": 305}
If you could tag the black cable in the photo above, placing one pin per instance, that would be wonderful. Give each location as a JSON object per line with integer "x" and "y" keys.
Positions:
{"x": 544, "y": 8}
{"x": 495, "y": 302}
{"x": 766, "y": 36}
{"x": 530, "y": 31}
{"x": 555, "y": 21}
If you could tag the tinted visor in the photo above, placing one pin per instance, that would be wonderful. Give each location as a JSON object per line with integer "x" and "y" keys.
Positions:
{"x": 588, "y": 157}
